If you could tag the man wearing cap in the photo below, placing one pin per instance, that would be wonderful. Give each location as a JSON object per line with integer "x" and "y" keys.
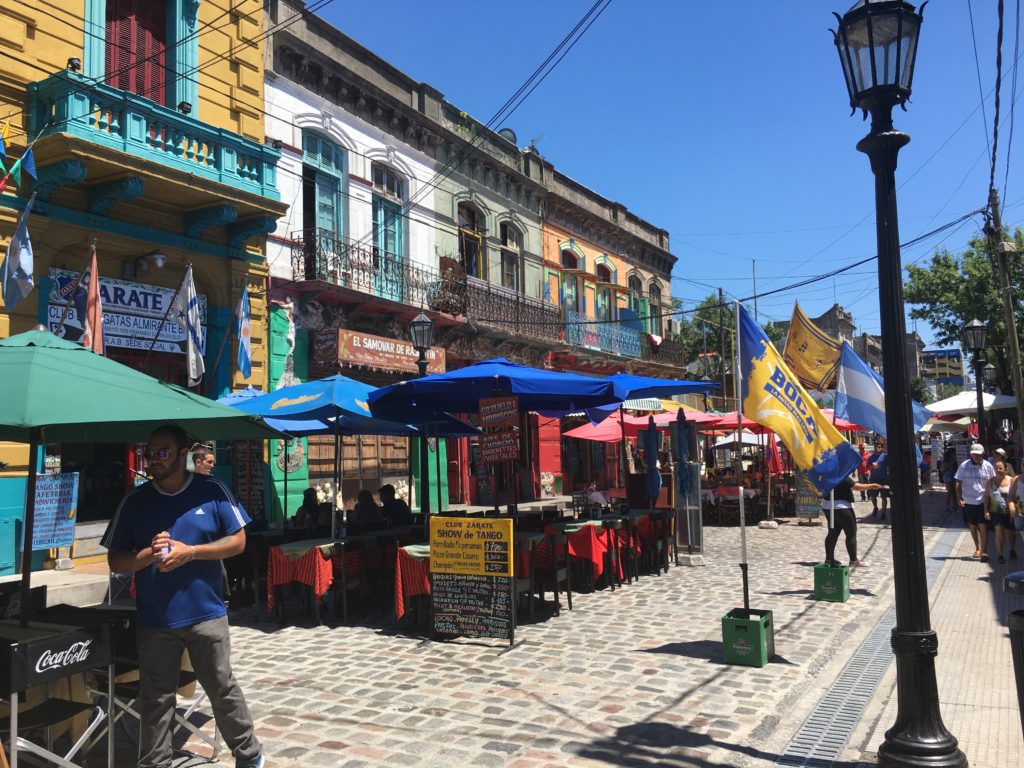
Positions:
{"x": 971, "y": 479}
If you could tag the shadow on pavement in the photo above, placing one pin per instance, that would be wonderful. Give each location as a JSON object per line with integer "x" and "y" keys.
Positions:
{"x": 664, "y": 744}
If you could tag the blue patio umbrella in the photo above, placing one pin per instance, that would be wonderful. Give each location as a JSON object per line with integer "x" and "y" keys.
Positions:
{"x": 628, "y": 386}
{"x": 651, "y": 438}
{"x": 460, "y": 391}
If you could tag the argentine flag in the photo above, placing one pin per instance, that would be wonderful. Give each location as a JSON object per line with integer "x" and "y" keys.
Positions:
{"x": 244, "y": 335}
{"x": 860, "y": 395}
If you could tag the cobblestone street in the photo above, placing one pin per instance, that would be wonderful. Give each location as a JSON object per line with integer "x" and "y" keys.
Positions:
{"x": 630, "y": 677}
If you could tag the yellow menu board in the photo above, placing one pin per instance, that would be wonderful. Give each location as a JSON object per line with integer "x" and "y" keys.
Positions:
{"x": 471, "y": 546}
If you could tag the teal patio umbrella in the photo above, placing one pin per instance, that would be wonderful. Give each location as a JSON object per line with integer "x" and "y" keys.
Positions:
{"x": 56, "y": 391}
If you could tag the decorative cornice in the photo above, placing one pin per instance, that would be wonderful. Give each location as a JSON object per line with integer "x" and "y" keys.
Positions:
{"x": 197, "y": 222}
{"x": 60, "y": 174}
{"x": 104, "y": 195}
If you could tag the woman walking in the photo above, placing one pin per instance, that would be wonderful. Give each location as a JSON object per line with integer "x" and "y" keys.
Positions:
{"x": 997, "y": 509}
{"x": 843, "y": 519}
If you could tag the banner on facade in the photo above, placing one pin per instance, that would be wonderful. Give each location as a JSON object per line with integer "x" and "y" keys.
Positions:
{"x": 131, "y": 314}
{"x": 55, "y": 511}
{"x": 357, "y": 348}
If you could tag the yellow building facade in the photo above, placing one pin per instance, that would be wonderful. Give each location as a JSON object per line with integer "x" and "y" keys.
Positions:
{"x": 145, "y": 120}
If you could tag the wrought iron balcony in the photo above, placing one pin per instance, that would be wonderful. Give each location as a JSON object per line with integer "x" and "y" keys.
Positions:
{"x": 511, "y": 311}
{"x": 320, "y": 254}
{"x": 607, "y": 337}
{"x": 70, "y": 103}
{"x": 669, "y": 352}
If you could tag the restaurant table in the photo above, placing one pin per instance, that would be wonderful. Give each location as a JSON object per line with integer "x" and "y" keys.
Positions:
{"x": 729, "y": 491}
{"x": 412, "y": 574}
{"x": 307, "y": 561}
{"x": 41, "y": 654}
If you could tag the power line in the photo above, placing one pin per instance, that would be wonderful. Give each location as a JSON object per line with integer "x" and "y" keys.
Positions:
{"x": 977, "y": 70}
{"x": 1013, "y": 90}
{"x": 999, "y": 80}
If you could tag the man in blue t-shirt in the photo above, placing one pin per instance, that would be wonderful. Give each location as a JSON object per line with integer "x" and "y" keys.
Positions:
{"x": 173, "y": 533}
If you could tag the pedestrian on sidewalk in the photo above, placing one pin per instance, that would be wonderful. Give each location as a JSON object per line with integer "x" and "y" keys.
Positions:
{"x": 997, "y": 513}
{"x": 862, "y": 470}
{"x": 949, "y": 467}
{"x": 971, "y": 478}
{"x": 878, "y": 466}
{"x": 172, "y": 533}
{"x": 843, "y": 519}
{"x": 203, "y": 459}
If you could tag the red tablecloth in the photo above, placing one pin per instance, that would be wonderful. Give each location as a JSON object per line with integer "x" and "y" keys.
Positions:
{"x": 313, "y": 569}
{"x": 412, "y": 577}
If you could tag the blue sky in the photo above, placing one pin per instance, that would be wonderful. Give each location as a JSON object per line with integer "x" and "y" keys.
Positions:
{"x": 727, "y": 124}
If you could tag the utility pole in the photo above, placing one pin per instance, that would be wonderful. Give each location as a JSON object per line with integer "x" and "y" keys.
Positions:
{"x": 753, "y": 273}
{"x": 721, "y": 342}
{"x": 999, "y": 249}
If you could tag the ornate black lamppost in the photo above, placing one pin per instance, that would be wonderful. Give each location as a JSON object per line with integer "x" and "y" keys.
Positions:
{"x": 974, "y": 339}
{"x": 421, "y": 331}
{"x": 877, "y": 44}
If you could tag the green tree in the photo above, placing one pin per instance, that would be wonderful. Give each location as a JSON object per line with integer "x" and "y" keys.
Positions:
{"x": 942, "y": 391}
{"x": 918, "y": 390}
{"x": 951, "y": 289}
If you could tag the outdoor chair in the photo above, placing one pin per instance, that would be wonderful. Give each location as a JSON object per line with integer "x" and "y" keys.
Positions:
{"x": 126, "y": 693}
{"x": 349, "y": 568}
{"x": 551, "y": 568}
{"x": 612, "y": 555}
{"x": 728, "y": 510}
{"x": 579, "y": 504}
{"x": 525, "y": 561}
{"x": 630, "y": 548}
{"x": 42, "y": 717}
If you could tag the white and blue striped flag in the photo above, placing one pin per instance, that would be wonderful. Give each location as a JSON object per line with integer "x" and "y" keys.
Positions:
{"x": 186, "y": 306}
{"x": 860, "y": 395}
{"x": 16, "y": 271}
{"x": 243, "y": 332}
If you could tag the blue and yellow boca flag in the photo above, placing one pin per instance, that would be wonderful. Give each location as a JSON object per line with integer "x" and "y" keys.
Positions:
{"x": 774, "y": 398}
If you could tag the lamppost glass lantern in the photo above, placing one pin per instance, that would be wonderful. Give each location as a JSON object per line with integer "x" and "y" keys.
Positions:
{"x": 877, "y": 43}
{"x": 974, "y": 335}
{"x": 988, "y": 374}
{"x": 421, "y": 332}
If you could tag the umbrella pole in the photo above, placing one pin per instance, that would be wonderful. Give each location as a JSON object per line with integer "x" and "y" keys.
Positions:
{"x": 337, "y": 474}
{"x": 624, "y": 462}
{"x": 285, "y": 505}
{"x": 437, "y": 467}
{"x": 410, "y": 441}
{"x": 26, "y": 534}
{"x": 743, "y": 554}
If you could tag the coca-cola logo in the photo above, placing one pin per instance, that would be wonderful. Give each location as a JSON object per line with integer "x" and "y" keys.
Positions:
{"x": 73, "y": 654}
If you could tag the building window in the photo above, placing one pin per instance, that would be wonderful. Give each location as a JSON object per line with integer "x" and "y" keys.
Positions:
{"x": 604, "y": 292}
{"x": 323, "y": 168}
{"x": 136, "y": 47}
{"x": 570, "y": 281}
{"x": 388, "y": 184}
{"x": 471, "y": 242}
{"x": 511, "y": 253}
{"x": 654, "y": 309}
{"x": 388, "y": 218}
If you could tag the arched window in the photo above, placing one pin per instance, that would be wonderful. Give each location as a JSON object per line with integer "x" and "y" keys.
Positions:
{"x": 511, "y": 255}
{"x": 471, "y": 242}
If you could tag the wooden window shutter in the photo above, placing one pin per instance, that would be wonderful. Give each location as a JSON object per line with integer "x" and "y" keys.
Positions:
{"x": 137, "y": 47}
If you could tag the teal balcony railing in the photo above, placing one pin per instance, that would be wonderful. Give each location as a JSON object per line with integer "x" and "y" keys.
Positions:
{"x": 608, "y": 337}
{"x": 69, "y": 103}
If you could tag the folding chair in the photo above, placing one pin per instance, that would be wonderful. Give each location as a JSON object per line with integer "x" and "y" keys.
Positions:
{"x": 126, "y": 693}
{"x": 42, "y": 717}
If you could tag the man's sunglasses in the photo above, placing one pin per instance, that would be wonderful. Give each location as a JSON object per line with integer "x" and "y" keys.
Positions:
{"x": 159, "y": 453}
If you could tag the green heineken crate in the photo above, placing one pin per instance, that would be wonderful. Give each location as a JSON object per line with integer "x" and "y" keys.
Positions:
{"x": 831, "y": 583}
{"x": 748, "y": 637}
